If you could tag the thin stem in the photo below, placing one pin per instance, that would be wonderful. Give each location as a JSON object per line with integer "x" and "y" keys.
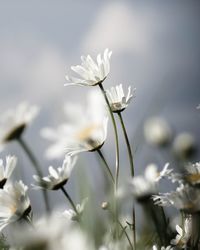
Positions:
{"x": 124, "y": 230}
{"x": 36, "y": 165}
{"x": 69, "y": 199}
{"x": 116, "y": 136}
{"x": 131, "y": 169}
{"x": 106, "y": 165}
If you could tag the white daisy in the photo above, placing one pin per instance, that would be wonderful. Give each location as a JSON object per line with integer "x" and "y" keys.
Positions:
{"x": 185, "y": 198}
{"x": 163, "y": 248}
{"x": 193, "y": 173}
{"x": 183, "y": 235}
{"x": 56, "y": 178}
{"x": 14, "y": 121}
{"x": 85, "y": 131}
{"x": 91, "y": 73}
{"x": 157, "y": 131}
{"x": 6, "y": 171}
{"x": 70, "y": 214}
{"x": 14, "y": 203}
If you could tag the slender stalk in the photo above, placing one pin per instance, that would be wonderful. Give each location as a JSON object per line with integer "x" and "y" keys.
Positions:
{"x": 36, "y": 165}
{"x": 69, "y": 199}
{"x": 124, "y": 230}
{"x": 116, "y": 136}
{"x": 131, "y": 169}
{"x": 106, "y": 165}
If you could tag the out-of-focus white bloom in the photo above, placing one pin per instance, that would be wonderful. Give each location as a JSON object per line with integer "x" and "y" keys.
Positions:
{"x": 70, "y": 214}
{"x": 184, "y": 145}
{"x": 52, "y": 233}
{"x": 198, "y": 107}
{"x": 56, "y": 178}
{"x": 163, "y": 248}
{"x": 85, "y": 131}
{"x": 91, "y": 73}
{"x": 14, "y": 121}
{"x": 14, "y": 203}
{"x": 157, "y": 131}
{"x": 6, "y": 171}
{"x": 185, "y": 198}
{"x": 183, "y": 234}
{"x": 117, "y": 99}
{"x": 193, "y": 173}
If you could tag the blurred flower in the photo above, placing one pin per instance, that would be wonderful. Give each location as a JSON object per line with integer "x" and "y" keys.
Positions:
{"x": 183, "y": 235}
{"x": 163, "y": 248}
{"x": 185, "y": 198}
{"x": 52, "y": 233}
{"x": 14, "y": 203}
{"x": 14, "y": 121}
{"x": 184, "y": 145}
{"x": 157, "y": 131}
{"x": 198, "y": 107}
{"x": 56, "y": 178}
{"x": 85, "y": 131}
{"x": 71, "y": 214}
{"x": 193, "y": 173}
{"x": 6, "y": 171}
{"x": 91, "y": 73}
{"x": 118, "y": 101}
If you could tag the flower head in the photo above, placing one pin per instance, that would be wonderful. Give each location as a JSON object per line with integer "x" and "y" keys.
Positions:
{"x": 117, "y": 99}
{"x": 193, "y": 173}
{"x": 91, "y": 73}
{"x": 56, "y": 178}
{"x": 14, "y": 203}
{"x": 14, "y": 121}
{"x": 6, "y": 171}
{"x": 86, "y": 130}
{"x": 163, "y": 248}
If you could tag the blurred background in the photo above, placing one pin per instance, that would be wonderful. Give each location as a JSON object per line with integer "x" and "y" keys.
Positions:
{"x": 155, "y": 48}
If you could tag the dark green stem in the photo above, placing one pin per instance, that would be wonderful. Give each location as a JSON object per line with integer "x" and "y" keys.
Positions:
{"x": 70, "y": 200}
{"x": 36, "y": 165}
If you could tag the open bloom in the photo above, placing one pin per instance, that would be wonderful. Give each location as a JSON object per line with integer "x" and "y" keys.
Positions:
{"x": 185, "y": 198}
{"x": 14, "y": 203}
{"x": 117, "y": 99}
{"x": 6, "y": 171}
{"x": 183, "y": 235}
{"x": 86, "y": 129}
{"x": 70, "y": 214}
{"x": 193, "y": 173}
{"x": 14, "y": 121}
{"x": 56, "y": 178}
{"x": 91, "y": 73}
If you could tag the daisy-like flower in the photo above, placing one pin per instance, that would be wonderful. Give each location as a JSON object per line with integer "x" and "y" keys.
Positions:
{"x": 185, "y": 198}
{"x": 14, "y": 121}
{"x": 91, "y": 73}
{"x": 193, "y": 173}
{"x": 157, "y": 131}
{"x": 183, "y": 235}
{"x": 6, "y": 171}
{"x": 14, "y": 203}
{"x": 163, "y": 248}
{"x": 56, "y": 178}
{"x": 85, "y": 131}
{"x": 117, "y": 99}
{"x": 70, "y": 214}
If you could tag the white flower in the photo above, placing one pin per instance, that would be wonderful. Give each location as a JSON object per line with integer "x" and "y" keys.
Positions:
{"x": 166, "y": 172}
{"x": 85, "y": 131}
{"x": 185, "y": 198}
{"x": 56, "y": 178}
{"x": 157, "y": 131}
{"x": 14, "y": 203}
{"x": 183, "y": 234}
{"x": 163, "y": 248}
{"x": 6, "y": 171}
{"x": 14, "y": 121}
{"x": 193, "y": 173}
{"x": 70, "y": 214}
{"x": 184, "y": 145}
{"x": 91, "y": 73}
{"x": 117, "y": 99}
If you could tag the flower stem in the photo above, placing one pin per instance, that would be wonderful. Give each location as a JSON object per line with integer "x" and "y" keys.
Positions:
{"x": 69, "y": 199}
{"x": 131, "y": 246}
{"x": 106, "y": 164}
{"x": 36, "y": 165}
{"x": 131, "y": 169}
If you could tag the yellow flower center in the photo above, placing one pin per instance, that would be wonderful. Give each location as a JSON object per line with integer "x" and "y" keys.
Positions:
{"x": 85, "y": 133}
{"x": 193, "y": 177}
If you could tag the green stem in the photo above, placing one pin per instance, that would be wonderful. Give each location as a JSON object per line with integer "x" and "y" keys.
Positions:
{"x": 124, "y": 230}
{"x": 106, "y": 164}
{"x": 36, "y": 165}
{"x": 131, "y": 169}
{"x": 69, "y": 199}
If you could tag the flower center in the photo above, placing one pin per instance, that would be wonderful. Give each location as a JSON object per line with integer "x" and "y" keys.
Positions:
{"x": 193, "y": 177}
{"x": 85, "y": 133}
